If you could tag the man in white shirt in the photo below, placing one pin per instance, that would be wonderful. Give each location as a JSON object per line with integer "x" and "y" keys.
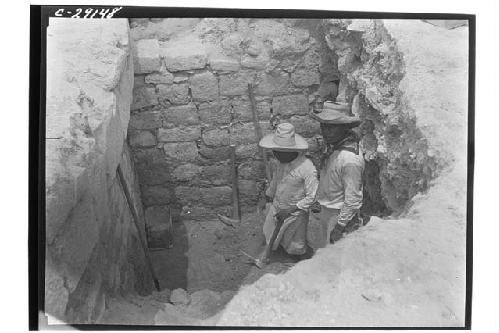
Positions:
{"x": 340, "y": 191}
{"x": 292, "y": 190}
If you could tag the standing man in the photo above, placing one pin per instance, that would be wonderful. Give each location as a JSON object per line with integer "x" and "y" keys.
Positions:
{"x": 292, "y": 190}
{"x": 340, "y": 191}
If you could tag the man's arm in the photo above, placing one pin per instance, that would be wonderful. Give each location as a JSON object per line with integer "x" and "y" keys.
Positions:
{"x": 353, "y": 192}
{"x": 310, "y": 186}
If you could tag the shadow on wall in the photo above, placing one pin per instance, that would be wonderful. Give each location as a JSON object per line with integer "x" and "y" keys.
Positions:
{"x": 171, "y": 265}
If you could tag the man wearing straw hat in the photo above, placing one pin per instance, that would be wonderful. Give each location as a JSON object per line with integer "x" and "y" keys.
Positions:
{"x": 292, "y": 189}
{"x": 340, "y": 191}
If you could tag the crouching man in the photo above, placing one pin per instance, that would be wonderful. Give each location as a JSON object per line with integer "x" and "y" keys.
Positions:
{"x": 340, "y": 191}
{"x": 292, "y": 191}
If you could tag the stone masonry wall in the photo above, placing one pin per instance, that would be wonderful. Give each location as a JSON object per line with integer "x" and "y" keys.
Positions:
{"x": 92, "y": 245}
{"x": 191, "y": 101}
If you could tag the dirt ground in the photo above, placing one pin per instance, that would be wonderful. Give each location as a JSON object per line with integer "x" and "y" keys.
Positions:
{"x": 207, "y": 255}
{"x": 407, "y": 272}
{"x": 207, "y": 262}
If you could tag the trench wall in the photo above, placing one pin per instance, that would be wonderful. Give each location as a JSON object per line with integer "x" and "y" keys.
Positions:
{"x": 191, "y": 102}
{"x": 388, "y": 87}
{"x": 92, "y": 245}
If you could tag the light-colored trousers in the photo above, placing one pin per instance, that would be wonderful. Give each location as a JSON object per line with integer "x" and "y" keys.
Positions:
{"x": 320, "y": 226}
{"x": 292, "y": 234}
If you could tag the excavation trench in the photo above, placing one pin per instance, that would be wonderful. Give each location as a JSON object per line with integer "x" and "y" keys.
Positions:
{"x": 186, "y": 112}
{"x": 180, "y": 94}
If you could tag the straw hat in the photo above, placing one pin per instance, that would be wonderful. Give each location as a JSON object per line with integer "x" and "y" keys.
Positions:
{"x": 284, "y": 139}
{"x": 336, "y": 113}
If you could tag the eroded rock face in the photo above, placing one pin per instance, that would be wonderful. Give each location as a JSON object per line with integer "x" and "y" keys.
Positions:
{"x": 375, "y": 75}
{"x": 92, "y": 244}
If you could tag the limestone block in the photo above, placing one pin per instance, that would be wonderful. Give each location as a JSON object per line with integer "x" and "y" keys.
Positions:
{"x": 179, "y": 134}
{"x": 180, "y": 115}
{"x": 186, "y": 172}
{"x": 232, "y": 44}
{"x": 272, "y": 84}
{"x": 243, "y": 134}
{"x": 305, "y": 126}
{"x": 241, "y": 108}
{"x": 173, "y": 93}
{"x": 291, "y": 105}
{"x": 219, "y": 62}
{"x": 216, "y": 195}
{"x": 264, "y": 110}
{"x": 313, "y": 143}
{"x": 254, "y": 48}
{"x": 184, "y": 54}
{"x": 251, "y": 170}
{"x": 312, "y": 58}
{"x": 180, "y": 78}
{"x": 163, "y": 77}
{"x": 249, "y": 190}
{"x": 146, "y": 56}
{"x": 162, "y": 29}
{"x": 143, "y": 97}
{"x": 141, "y": 139}
{"x": 217, "y": 174}
{"x": 179, "y": 297}
{"x": 259, "y": 63}
{"x": 156, "y": 195}
{"x": 304, "y": 77}
{"x": 187, "y": 194}
{"x": 216, "y": 137}
{"x": 247, "y": 151}
{"x": 215, "y": 113}
{"x": 145, "y": 120}
{"x": 204, "y": 87}
{"x": 182, "y": 151}
{"x": 215, "y": 153}
{"x": 235, "y": 84}
{"x": 205, "y": 301}
{"x": 162, "y": 296}
{"x": 285, "y": 41}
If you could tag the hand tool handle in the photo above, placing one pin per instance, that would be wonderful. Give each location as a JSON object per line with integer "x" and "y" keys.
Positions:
{"x": 135, "y": 218}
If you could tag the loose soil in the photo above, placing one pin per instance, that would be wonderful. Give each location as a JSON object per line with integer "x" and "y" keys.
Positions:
{"x": 207, "y": 262}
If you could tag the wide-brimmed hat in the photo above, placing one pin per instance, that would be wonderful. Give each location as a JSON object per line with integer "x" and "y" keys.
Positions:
{"x": 336, "y": 113}
{"x": 284, "y": 139}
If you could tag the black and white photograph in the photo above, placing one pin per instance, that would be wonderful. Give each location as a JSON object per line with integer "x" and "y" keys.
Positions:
{"x": 255, "y": 169}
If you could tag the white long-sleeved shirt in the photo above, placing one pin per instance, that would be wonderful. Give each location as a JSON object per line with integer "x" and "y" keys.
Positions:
{"x": 341, "y": 184}
{"x": 294, "y": 184}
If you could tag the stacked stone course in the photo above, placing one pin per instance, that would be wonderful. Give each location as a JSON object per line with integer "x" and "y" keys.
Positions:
{"x": 191, "y": 102}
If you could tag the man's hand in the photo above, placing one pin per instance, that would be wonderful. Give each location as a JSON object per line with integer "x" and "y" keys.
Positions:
{"x": 316, "y": 207}
{"x": 336, "y": 233}
{"x": 284, "y": 213}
